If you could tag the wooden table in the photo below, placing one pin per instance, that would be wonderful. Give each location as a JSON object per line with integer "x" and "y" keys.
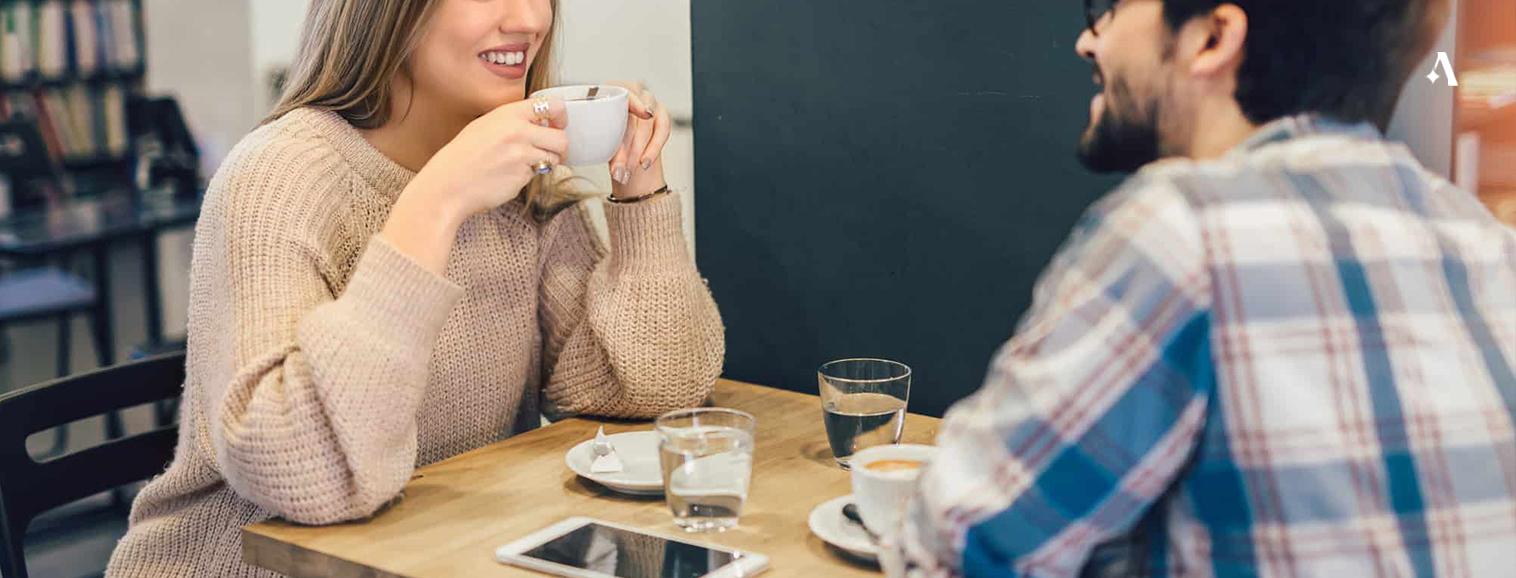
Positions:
{"x": 456, "y": 512}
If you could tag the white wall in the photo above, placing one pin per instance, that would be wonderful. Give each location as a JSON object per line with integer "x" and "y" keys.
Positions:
{"x": 200, "y": 52}
{"x": 1424, "y": 116}
{"x": 276, "y": 26}
{"x": 644, "y": 40}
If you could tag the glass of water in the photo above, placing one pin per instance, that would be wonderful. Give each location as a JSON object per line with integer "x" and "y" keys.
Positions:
{"x": 863, "y": 404}
{"x": 707, "y": 459}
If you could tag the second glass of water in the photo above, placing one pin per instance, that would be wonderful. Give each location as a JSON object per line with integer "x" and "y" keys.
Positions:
{"x": 863, "y": 404}
{"x": 707, "y": 459}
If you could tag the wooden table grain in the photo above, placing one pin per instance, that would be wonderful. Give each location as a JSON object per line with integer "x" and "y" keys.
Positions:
{"x": 456, "y": 512}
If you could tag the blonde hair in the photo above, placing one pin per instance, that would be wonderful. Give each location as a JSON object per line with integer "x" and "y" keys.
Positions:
{"x": 350, "y": 52}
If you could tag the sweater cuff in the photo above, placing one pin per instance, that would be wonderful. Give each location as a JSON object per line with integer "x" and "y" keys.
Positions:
{"x": 399, "y": 295}
{"x": 649, "y": 232}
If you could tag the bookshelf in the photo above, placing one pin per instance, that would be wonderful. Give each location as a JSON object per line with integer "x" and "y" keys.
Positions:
{"x": 1485, "y": 113}
{"x": 72, "y": 66}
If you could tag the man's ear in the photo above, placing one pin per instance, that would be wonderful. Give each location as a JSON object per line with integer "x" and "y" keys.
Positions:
{"x": 1213, "y": 43}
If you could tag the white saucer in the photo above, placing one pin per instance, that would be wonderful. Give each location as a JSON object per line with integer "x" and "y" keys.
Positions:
{"x": 828, "y": 523}
{"x": 638, "y": 450}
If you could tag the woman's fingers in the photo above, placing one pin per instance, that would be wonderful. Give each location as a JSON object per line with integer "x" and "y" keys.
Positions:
{"x": 549, "y": 139}
{"x": 635, "y": 101}
{"x": 640, "y": 139}
{"x": 663, "y": 126}
{"x": 542, "y": 111}
{"x": 530, "y": 156}
{"x": 620, "y": 164}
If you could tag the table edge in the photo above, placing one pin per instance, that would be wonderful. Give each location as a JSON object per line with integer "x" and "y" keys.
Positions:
{"x": 251, "y": 541}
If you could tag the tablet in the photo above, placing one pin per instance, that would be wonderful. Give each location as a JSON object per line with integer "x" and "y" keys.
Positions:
{"x": 590, "y": 548}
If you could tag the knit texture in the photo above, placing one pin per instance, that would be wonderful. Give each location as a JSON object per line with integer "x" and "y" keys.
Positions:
{"x": 325, "y": 366}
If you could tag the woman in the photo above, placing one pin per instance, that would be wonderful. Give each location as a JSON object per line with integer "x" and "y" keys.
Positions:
{"x": 381, "y": 279}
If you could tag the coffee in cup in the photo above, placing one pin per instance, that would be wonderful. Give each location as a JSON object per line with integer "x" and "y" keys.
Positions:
{"x": 894, "y": 465}
{"x": 883, "y": 479}
{"x": 596, "y": 121}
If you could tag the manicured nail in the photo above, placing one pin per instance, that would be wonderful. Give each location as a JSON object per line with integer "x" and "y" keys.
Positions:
{"x": 621, "y": 175}
{"x": 647, "y": 164}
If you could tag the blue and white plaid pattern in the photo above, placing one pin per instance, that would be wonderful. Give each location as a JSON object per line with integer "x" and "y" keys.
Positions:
{"x": 1292, "y": 361}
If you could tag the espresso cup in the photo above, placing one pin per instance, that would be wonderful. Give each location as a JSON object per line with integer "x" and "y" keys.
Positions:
{"x": 884, "y": 477}
{"x": 595, "y": 124}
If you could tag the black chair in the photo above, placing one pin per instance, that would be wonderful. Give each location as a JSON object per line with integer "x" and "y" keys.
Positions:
{"x": 164, "y": 411}
{"x": 29, "y": 488}
{"x": 45, "y": 293}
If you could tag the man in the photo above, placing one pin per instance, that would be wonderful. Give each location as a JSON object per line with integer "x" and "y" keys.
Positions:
{"x": 1285, "y": 349}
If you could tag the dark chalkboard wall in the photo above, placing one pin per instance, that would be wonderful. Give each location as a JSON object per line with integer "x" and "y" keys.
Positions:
{"x": 883, "y": 178}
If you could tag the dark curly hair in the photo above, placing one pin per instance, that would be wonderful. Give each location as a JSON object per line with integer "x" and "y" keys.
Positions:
{"x": 1341, "y": 58}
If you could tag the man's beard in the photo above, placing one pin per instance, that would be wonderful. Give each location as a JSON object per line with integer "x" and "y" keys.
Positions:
{"x": 1125, "y": 137}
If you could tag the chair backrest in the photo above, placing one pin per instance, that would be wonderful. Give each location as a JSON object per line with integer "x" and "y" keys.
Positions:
{"x": 164, "y": 143}
{"x": 25, "y": 160}
{"x": 29, "y": 488}
{"x": 161, "y": 118}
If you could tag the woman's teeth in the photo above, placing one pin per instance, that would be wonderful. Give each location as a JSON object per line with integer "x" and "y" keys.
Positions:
{"x": 506, "y": 58}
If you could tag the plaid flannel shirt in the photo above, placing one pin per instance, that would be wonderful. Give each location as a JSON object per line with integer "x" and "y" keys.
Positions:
{"x": 1295, "y": 360}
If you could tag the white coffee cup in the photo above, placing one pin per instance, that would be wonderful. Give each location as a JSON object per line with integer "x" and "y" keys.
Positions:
{"x": 880, "y": 492}
{"x": 595, "y": 125}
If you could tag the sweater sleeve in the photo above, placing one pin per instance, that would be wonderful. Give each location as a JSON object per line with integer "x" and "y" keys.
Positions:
{"x": 631, "y": 332}
{"x": 311, "y": 391}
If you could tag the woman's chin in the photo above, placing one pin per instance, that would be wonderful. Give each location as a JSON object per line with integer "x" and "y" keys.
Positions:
{"x": 488, "y": 102}
{"x": 504, "y": 97}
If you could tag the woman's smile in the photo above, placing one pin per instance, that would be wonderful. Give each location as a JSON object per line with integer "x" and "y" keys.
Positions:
{"x": 507, "y": 60}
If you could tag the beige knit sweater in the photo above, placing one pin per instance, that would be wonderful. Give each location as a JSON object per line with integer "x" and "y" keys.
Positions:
{"x": 324, "y": 365}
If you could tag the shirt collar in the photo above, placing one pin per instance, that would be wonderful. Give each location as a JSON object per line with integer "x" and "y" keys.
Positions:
{"x": 1303, "y": 125}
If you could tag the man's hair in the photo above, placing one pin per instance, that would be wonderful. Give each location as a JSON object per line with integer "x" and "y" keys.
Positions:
{"x": 1346, "y": 59}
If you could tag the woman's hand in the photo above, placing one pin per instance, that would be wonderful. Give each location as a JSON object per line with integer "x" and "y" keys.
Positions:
{"x": 485, "y": 166}
{"x": 493, "y": 158}
{"x": 637, "y": 168}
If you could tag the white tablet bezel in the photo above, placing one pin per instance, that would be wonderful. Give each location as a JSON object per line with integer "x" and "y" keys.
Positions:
{"x": 514, "y": 553}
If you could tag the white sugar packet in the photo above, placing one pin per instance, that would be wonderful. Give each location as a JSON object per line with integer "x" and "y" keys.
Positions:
{"x": 609, "y": 463}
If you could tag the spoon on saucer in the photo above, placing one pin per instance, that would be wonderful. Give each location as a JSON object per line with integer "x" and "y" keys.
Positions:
{"x": 850, "y": 512}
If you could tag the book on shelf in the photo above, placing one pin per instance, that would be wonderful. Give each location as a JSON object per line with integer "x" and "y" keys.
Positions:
{"x": 78, "y": 122}
{"x": 62, "y": 39}
{"x": 17, "y": 45}
{"x": 85, "y": 38}
{"x": 52, "y": 40}
{"x": 123, "y": 26}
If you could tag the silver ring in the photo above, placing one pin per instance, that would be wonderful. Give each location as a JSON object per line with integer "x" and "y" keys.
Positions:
{"x": 542, "y": 167}
{"x": 541, "y": 108}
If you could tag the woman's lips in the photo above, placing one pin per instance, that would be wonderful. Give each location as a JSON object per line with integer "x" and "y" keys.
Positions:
{"x": 508, "y": 61}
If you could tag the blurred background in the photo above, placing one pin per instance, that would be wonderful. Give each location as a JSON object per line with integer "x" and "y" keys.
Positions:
{"x": 819, "y": 243}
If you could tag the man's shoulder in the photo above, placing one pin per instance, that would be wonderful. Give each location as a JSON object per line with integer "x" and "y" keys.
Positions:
{"x": 1209, "y": 182}
{"x": 1248, "y": 196}
{"x": 1278, "y": 172}
{"x": 1161, "y": 186}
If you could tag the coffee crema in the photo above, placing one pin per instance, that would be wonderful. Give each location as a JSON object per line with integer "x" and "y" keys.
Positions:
{"x": 894, "y": 465}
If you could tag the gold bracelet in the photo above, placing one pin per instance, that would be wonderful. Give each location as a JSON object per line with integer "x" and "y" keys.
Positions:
{"x": 663, "y": 190}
